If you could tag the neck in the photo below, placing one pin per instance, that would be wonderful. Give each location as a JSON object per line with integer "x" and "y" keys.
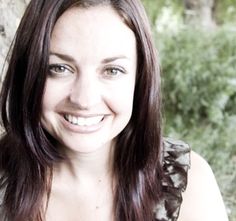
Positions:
{"x": 84, "y": 179}
{"x": 82, "y": 167}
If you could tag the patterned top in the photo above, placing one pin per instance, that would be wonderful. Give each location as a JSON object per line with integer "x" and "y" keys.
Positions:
{"x": 176, "y": 162}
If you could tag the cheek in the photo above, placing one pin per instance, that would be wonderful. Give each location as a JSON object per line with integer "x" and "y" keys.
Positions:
{"x": 121, "y": 100}
{"x": 47, "y": 107}
{"x": 48, "y": 100}
{"x": 51, "y": 100}
{"x": 53, "y": 95}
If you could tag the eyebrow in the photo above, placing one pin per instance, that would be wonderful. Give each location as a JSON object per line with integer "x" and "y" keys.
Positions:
{"x": 71, "y": 59}
{"x": 108, "y": 60}
{"x": 62, "y": 56}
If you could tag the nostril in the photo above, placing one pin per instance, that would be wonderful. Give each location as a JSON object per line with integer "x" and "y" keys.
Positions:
{"x": 84, "y": 100}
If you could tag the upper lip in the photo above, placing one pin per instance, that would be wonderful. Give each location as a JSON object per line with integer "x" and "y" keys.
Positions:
{"x": 84, "y": 115}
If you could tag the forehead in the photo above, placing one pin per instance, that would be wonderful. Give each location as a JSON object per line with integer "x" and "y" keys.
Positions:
{"x": 97, "y": 27}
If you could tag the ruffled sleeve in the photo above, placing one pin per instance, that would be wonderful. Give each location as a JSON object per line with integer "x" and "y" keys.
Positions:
{"x": 176, "y": 162}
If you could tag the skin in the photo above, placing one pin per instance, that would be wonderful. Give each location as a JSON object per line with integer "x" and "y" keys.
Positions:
{"x": 202, "y": 200}
{"x": 92, "y": 76}
{"x": 84, "y": 81}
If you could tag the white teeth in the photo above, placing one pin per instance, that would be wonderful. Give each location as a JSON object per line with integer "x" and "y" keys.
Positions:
{"x": 70, "y": 118}
{"x": 74, "y": 120}
{"x": 82, "y": 121}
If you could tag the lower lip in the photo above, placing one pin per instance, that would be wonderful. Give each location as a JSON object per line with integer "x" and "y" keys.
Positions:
{"x": 83, "y": 129}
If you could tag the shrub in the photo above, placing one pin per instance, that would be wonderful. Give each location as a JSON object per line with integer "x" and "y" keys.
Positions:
{"x": 199, "y": 88}
{"x": 199, "y": 75}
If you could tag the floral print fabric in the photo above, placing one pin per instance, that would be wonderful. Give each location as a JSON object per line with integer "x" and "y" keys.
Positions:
{"x": 176, "y": 162}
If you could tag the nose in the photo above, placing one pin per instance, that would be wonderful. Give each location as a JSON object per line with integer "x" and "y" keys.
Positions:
{"x": 85, "y": 92}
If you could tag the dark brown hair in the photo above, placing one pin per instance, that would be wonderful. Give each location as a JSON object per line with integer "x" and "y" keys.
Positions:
{"x": 27, "y": 152}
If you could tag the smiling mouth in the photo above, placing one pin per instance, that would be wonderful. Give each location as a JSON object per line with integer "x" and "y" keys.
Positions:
{"x": 83, "y": 121}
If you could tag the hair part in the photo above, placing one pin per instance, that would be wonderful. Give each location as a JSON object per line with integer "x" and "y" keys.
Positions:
{"x": 28, "y": 152}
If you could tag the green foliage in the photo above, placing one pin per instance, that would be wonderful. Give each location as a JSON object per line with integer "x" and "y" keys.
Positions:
{"x": 199, "y": 72}
{"x": 225, "y": 11}
{"x": 199, "y": 88}
{"x": 155, "y": 7}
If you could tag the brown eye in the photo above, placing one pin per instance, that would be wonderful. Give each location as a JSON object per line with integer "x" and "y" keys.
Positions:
{"x": 113, "y": 72}
{"x": 60, "y": 69}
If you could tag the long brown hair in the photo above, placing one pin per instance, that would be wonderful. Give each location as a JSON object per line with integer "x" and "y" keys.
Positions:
{"x": 27, "y": 151}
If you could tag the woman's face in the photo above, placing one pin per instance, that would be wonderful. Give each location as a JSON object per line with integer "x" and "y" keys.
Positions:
{"x": 90, "y": 86}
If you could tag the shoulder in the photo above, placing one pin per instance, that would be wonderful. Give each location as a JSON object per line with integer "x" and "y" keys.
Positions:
{"x": 202, "y": 199}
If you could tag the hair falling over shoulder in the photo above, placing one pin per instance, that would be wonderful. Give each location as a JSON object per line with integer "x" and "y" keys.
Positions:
{"x": 27, "y": 152}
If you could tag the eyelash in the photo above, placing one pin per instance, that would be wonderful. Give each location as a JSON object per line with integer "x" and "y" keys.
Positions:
{"x": 63, "y": 69}
{"x": 118, "y": 71}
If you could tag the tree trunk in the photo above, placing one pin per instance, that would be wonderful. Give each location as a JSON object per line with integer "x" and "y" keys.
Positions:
{"x": 10, "y": 14}
{"x": 200, "y": 13}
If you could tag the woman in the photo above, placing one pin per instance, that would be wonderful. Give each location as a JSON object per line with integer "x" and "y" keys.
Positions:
{"x": 80, "y": 106}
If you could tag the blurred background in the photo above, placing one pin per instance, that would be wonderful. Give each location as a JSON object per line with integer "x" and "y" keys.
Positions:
{"x": 196, "y": 40}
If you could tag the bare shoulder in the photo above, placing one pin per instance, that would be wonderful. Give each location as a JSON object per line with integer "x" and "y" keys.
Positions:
{"x": 202, "y": 200}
